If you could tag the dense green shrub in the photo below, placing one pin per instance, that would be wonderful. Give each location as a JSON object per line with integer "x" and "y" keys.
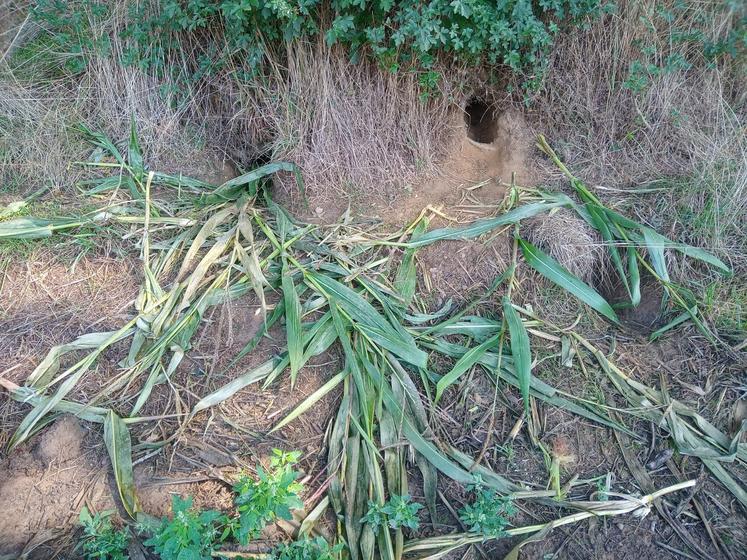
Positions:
{"x": 515, "y": 33}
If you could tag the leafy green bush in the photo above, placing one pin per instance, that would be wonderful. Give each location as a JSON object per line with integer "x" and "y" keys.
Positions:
{"x": 272, "y": 496}
{"x": 489, "y": 514}
{"x": 397, "y": 512}
{"x": 516, "y": 33}
{"x": 306, "y": 549}
{"x": 190, "y": 534}
{"x": 72, "y": 35}
{"x": 101, "y": 541}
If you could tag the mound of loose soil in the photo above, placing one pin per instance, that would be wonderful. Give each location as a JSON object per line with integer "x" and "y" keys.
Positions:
{"x": 44, "y": 485}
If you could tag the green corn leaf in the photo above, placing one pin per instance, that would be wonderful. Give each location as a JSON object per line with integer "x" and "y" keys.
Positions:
{"x": 464, "y": 364}
{"x": 370, "y": 321}
{"x": 29, "y": 396}
{"x": 100, "y": 140}
{"x": 655, "y": 245}
{"x": 200, "y": 272}
{"x": 134, "y": 153}
{"x": 553, "y": 271}
{"x": 407, "y": 275}
{"x": 292, "y": 323}
{"x": 249, "y": 183}
{"x": 681, "y": 318}
{"x": 36, "y": 228}
{"x": 599, "y": 221}
{"x": 230, "y": 389}
{"x": 635, "y": 276}
{"x": 69, "y": 378}
{"x": 666, "y": 243}
{"x": 207, "y": 229}
{"x": 117, "y": 439}
{"x": 311, "y": 400}
{"x": 483, "y": 226}
{"x": 520, "y": 350}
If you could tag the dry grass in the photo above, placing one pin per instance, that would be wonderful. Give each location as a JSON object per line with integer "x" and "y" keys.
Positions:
{"x": 353, "y": 129}
{"x": 39, "y": 112}
{"x": 571, "y": 242}
{"x": 688, "y": 124}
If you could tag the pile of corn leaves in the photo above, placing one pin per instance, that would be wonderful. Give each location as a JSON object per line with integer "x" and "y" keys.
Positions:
{"x": 340, "y": 285}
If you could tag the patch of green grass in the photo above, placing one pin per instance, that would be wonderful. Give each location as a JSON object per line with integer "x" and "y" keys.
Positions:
{"x": 726, "y": 304}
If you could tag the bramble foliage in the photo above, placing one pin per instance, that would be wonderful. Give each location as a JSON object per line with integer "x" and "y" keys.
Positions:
{"x": 70, "y": 26}
{"x": 190, "y": 534}
{"x": 101, "y": 541}
{"x": 489, "y": 514}
{"x": 306, "y": 549}
{"x": 397, "y": 512}
{"x": 516, "y": 33}
{"x": 272, "y": 496}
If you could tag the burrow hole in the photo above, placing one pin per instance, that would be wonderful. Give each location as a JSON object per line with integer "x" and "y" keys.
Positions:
{"x": 481, "y": 120}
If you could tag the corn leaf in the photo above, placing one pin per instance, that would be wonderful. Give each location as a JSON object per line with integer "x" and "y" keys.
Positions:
{"x": 479, "y": 227}
{"x": 464, "y": 364}
{"x": 35, "y": 228}
{"x": 292, "y": 323}
{"x": 553, "y": 271}
{"x": 117, "y": 439}
{"x": 311, "y": 400}
{"x": 520, "y": 350}
{"x": 370, "y": 321}
{"x": 252, "y": 376}
{"x": 135, "y": 154}
{"x": 655, "y": 245}
{"x": 407, "y": 274}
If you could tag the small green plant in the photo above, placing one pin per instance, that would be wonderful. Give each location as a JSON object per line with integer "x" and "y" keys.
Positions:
{"x": 190, "y": 534}
{"x": 272, "y": 496}
{"x": 398, "y": 512}
{"x": 489, "y": 514}
{"x": 306, "y": 549}
{"x": 101, "y": 541}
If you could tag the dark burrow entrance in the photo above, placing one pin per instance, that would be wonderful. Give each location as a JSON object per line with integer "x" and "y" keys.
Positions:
{"x": 481, "y": 120}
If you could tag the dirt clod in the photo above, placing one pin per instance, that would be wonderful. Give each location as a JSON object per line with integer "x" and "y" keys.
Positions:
{"x": 62, "y": 442}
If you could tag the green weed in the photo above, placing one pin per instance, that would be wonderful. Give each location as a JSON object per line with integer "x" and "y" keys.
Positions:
{"x": 190, "y": 534}
{"x": 397, "y": 512}
{"x": 306, "y": 549}
{"x": 101, "y": 541}
{"x": 489, "y": 514}
{"x": 272, "y": 496}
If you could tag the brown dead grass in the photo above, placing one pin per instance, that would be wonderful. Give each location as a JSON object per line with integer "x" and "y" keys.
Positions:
{"x": 686, "y": 124}
{"x": 571, "y": 242}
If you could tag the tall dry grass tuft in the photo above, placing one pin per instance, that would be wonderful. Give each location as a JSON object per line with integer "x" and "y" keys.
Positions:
{"x": 41, "y": 106}
{"x": 571, "y": 242}
{"x": 351, "y": 128}
{"x": 682, "y": 135}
